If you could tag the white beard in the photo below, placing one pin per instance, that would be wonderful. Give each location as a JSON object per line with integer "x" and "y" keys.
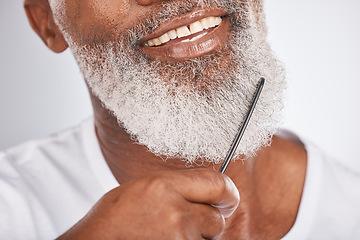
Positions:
{"x": 189, "y": 110}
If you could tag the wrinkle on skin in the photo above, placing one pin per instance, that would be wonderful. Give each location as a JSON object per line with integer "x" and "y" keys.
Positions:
{"x": 263, "y": 181}
{"x": 124, "y": 78}
{"x": 104, "y": 8}
{"x": 109, "y": 13}
{"x": 92, "y": 21}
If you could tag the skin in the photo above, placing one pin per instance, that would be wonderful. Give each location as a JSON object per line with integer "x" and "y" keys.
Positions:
{"x": 194, "y": 201}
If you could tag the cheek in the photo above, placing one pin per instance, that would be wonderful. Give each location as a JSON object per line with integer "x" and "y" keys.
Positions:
{"x": 115, "y": 10}
{"x": 92, "y": 19}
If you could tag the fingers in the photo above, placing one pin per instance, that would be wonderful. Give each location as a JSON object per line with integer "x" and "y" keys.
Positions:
{"x": 228, "y": 205}
{"x": 188, "y": 204}
{"x": 211, "y": 222}
{"x": 206, "y": 186}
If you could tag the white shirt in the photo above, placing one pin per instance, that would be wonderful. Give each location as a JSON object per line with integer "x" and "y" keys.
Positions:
{"x": 330, "y": 204}
{"x": 47, "y": 185}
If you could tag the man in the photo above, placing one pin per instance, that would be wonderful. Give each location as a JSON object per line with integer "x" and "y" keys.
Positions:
{"x": 170, "y": 83}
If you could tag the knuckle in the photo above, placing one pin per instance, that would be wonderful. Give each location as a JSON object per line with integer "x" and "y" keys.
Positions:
{"x": 179, "y": 222}
{"x": 157, "y": 185}
{"x": 182, "y": 225}
{"x": 175, "y": 217}
{"x": 180, "y": 235}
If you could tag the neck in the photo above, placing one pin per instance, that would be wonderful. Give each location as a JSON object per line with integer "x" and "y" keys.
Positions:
{"x": 129, "y": 160}
{"x": 275, "y": 175}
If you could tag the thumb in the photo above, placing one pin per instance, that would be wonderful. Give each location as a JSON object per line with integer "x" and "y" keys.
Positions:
{"x": 228, "y": 206}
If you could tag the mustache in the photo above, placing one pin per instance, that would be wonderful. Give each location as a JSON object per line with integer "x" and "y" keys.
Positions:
{"x": 238, "y": 13}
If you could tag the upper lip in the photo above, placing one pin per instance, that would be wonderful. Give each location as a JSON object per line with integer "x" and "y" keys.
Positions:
{"x": 183, "y": 20}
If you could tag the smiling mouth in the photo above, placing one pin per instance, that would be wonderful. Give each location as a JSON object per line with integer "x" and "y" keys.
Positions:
{"x": 186, "y": 33}
{"x": 189, "y": 36}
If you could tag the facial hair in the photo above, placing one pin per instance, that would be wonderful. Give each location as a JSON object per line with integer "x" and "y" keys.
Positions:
{"x": 189, "y": 110}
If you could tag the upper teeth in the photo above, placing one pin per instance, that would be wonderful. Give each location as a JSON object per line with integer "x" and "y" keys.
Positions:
{"x": 184, "y": 31}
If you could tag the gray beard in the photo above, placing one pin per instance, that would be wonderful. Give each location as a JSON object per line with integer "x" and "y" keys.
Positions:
{"x": 189, "y": 110}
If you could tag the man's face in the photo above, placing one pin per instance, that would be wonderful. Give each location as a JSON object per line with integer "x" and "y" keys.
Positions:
{"x": 95, "y": 21}
{"x": 178, "y": 75}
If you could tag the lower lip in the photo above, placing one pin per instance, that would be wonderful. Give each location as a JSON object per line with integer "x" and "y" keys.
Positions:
{"x": 178, "y": 51}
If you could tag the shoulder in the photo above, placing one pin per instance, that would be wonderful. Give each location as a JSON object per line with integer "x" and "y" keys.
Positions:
{"x": 46, "y": 182}
{"x": 338, "y": 196}
{"x": 38, "y": 162}
{"x": 48, "y": 149}
{"x": 329, "y": 206}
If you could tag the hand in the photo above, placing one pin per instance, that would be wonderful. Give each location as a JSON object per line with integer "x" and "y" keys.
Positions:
{"x": 189, "y": 204}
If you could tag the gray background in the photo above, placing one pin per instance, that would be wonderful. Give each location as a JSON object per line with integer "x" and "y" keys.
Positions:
{"x": 318, "y": 40}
